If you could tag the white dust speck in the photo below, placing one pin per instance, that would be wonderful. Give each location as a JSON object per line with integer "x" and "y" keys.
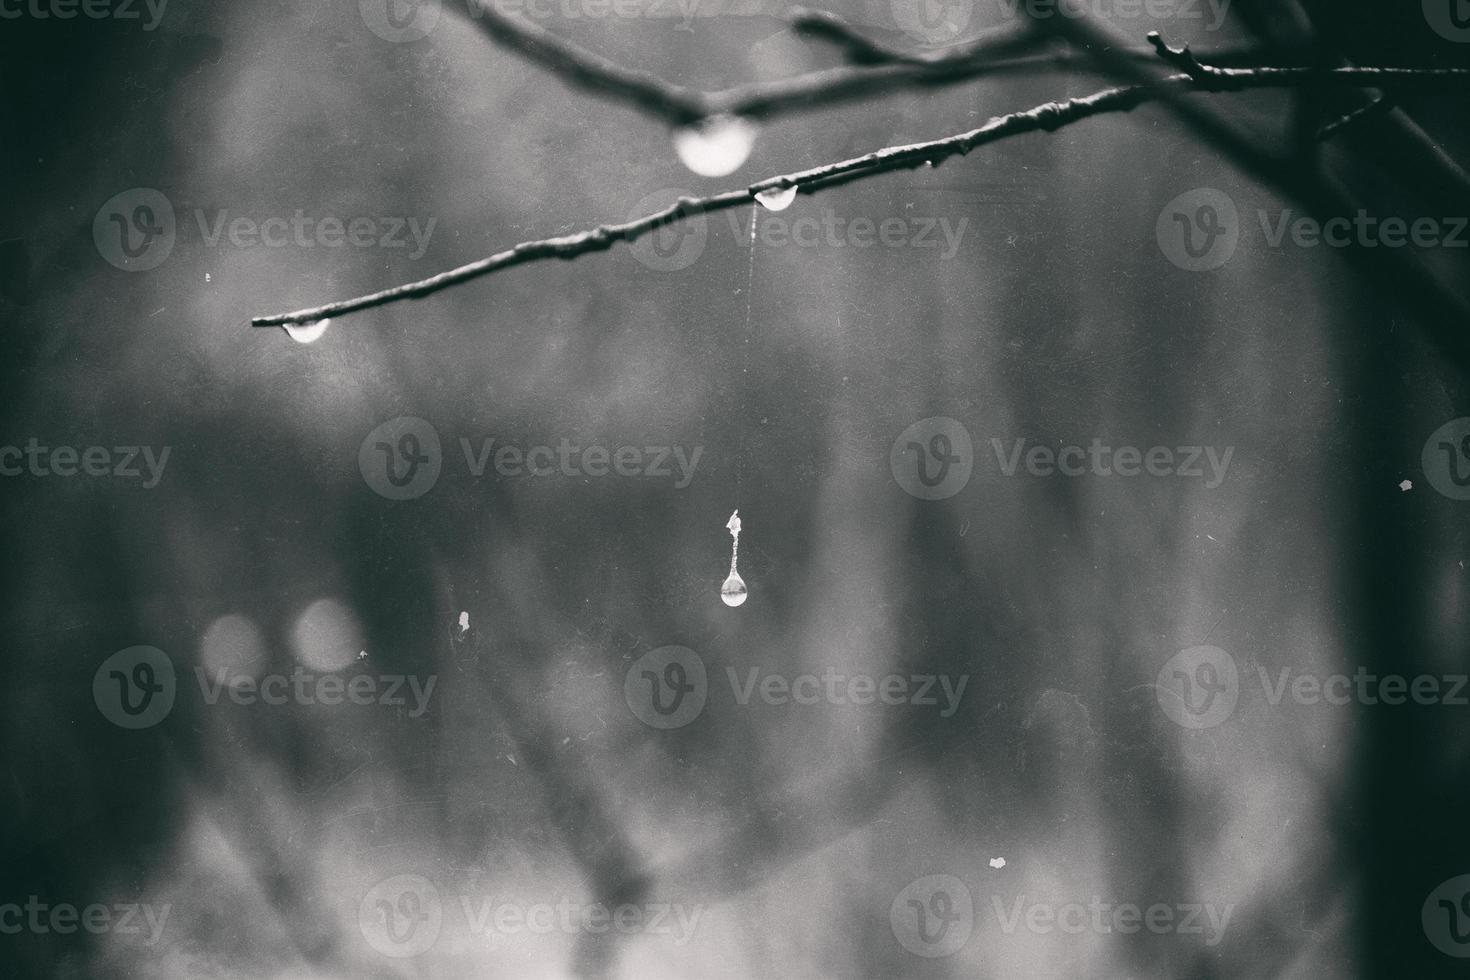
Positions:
{"x": 997, "y": 863}
{"x": 464, "y": 622}
{"x": 1406, "y": 486}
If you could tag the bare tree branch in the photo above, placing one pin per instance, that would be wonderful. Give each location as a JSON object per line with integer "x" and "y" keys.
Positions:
{"x": 877, "y": 69}
{"x": 862, "y": 50}
{"x": 681, "y": 106}
{"x": 1431, "y": 167}
{"x": 993, "y": 45}
{"x": 1048, "y": 116}
{"x": 1440, "y": 312}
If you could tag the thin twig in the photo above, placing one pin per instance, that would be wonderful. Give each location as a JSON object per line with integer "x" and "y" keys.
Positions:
{"x": 862, "y": 50}
{"x": 1433, "y": 168}
{"x": 1002, "y": 47}
{"x": 1439, "y": 312}
{"x": 1003, "y": 51}
{"x": 1375, "y": 106}
{"x": 1048, "y": 116}
{"x": 681, "y": 106}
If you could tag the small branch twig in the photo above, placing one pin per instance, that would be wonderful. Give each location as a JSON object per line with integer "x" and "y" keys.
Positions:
{"x": 681, "y": 106}
{"x": 1048, "y": 116}
{"x": 862, "y": 50}
{"x": 876, "y": 69}
{"x": 1378, "y": 104}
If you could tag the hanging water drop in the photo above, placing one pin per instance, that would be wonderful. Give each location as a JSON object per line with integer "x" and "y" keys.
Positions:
{"x": 307, "y": 333}
{"x": 733, "y": 591}
{"x": 776, "y": 198}
{"x": 715, "y": 147}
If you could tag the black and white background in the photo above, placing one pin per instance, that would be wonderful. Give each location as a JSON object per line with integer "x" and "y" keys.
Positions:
{"x": 1103, "y": 498}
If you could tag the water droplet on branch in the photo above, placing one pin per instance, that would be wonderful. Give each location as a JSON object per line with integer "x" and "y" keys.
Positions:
{"x": 307, "y": 333}
{"x": 715, "y": 147}
{"x": 733, "y": 591}
{"x": 777, "y": 198}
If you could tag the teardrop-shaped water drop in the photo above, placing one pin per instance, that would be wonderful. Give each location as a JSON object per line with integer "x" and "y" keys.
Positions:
{"x": 307, "y": 333}
{"x": 776, "y": 198}
{"x": 715, "y": 147}
{"x": 733, "y": 592}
